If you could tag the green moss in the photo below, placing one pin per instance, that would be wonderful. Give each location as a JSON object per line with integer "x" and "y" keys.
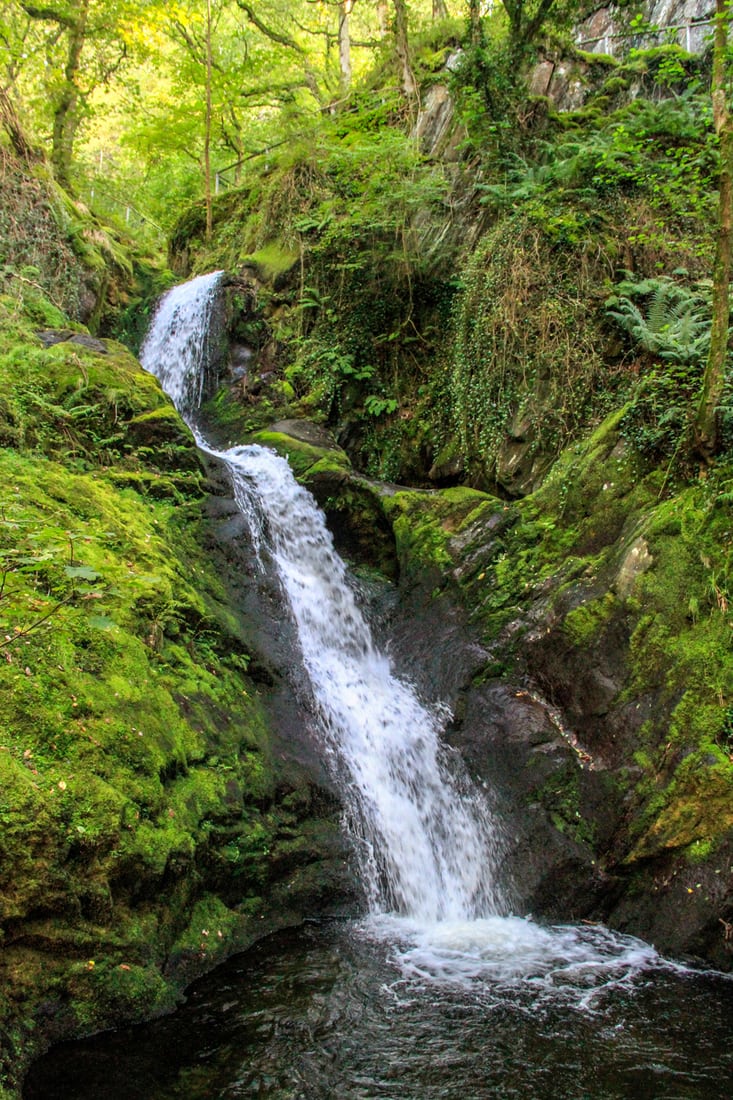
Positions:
{"x": 212, "y": 927}
{"x": 585, "y": 623}
{"x": 696, "y": 809}
{"x": 560, "y": 796}
{"x": 699, "y": 851}
{"x": 305, "y": 459}
{"x": 425, "y": 522}
{"x": 271, "y": 261}
{"x": 134, "y": 753}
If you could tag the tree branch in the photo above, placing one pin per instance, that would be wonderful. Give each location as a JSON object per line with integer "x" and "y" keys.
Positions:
{"x": 51, "y": 15}
{"x": 280, "y": 37}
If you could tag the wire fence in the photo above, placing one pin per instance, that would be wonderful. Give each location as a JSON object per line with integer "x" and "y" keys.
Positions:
{"x": 692, "y": 37}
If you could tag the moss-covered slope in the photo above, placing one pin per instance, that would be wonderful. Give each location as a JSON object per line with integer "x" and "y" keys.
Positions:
{"x": 143, "y": 821}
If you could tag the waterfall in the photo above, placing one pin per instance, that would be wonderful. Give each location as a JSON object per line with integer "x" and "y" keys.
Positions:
{"x": 424, "y": 837}
{"x": 425, "y": 842}
{"x": 177, "y": 348}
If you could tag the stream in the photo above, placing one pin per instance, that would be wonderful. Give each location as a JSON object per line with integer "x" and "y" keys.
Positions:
{"x": 441, "y": 990}
{"x": 326, "y": 1012}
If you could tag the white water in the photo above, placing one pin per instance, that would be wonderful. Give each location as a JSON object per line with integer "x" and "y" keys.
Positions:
{"x": 426, "y": 849}
{"x": 425, "y": 840}
{"x": 177, "y": 346}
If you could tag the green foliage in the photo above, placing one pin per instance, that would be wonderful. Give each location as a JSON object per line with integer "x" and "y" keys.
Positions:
{"x": 487, "y": 96}
{"x": 670, "y": 323}
{"x": 527, "y": 359}
{"x": 380, "y": 406}
{"x": 675, "y": 324}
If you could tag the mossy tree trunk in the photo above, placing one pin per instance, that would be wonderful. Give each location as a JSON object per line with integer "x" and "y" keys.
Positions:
{"x": 474, "y": 20}
{"x": 66, "y": 116}
{"x": 13, "y": 127}
{"x": 72, "y": 19}
{"x": 707, "y": 426}
{"x": 77, "y": 24}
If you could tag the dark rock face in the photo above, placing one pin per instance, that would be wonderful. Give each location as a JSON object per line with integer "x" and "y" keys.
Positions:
{"x": 553, "y": 740}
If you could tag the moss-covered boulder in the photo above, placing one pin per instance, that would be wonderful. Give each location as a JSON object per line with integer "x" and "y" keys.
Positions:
{"x": 313, "y": 455}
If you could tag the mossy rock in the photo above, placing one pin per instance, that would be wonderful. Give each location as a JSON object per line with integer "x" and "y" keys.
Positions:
{"x": 271, "y": 264}
{"x": 306, "y": 459}
{"x": 163, "y": 438}
{"x": 426, "y": 522}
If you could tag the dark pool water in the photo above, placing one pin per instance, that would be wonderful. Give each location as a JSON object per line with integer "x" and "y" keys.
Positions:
{"x": 325, "y": 1012}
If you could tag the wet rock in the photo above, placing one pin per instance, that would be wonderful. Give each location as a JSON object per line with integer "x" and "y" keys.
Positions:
{"x": 50, "y": 337}
{"x": 635, "y": 562}
{"x": 512, "y": 742}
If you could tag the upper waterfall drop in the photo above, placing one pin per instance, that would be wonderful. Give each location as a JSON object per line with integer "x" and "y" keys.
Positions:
{"x": 178, "y": 343}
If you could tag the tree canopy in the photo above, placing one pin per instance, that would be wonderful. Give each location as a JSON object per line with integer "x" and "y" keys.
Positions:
{"x": 139, "y": 104}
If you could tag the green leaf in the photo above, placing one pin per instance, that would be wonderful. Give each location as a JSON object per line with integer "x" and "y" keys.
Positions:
{"x": 101, "y": 622}
{"x": 83, "y": 572}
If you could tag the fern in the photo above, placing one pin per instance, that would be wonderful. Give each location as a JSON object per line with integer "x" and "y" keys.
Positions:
{"x": 675, "y": 324}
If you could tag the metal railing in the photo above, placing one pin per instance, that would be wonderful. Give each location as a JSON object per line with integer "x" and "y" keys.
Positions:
{"x": 223, "y": 179}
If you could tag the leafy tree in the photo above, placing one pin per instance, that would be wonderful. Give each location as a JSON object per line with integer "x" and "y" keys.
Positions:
{"x": 84, "y": 49}
{"x": 528, "y": 17}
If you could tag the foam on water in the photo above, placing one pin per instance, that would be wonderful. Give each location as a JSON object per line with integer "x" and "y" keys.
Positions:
{"x": 569, "y": 963}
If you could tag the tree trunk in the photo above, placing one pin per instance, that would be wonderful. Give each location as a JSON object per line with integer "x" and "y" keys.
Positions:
{"x": 207, "y": 126}
{"x": 402, "y": 50}
{"x": 707, "y": 428}
{"x": 13, "y": 128}
{"x": 345, "y": 9}
{"x": 440, "y": 11}
{"x": 66, "y": 115}
{"x": 474, "y": 19}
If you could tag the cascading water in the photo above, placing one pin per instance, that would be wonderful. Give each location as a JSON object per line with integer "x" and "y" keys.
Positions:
{"x": 425, "y": 840}
{"x": 177, "y": 347}
{"x": 426, "y": 849}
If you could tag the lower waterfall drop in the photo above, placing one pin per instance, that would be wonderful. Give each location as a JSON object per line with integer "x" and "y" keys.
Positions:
{"x": 426, "y": 844}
